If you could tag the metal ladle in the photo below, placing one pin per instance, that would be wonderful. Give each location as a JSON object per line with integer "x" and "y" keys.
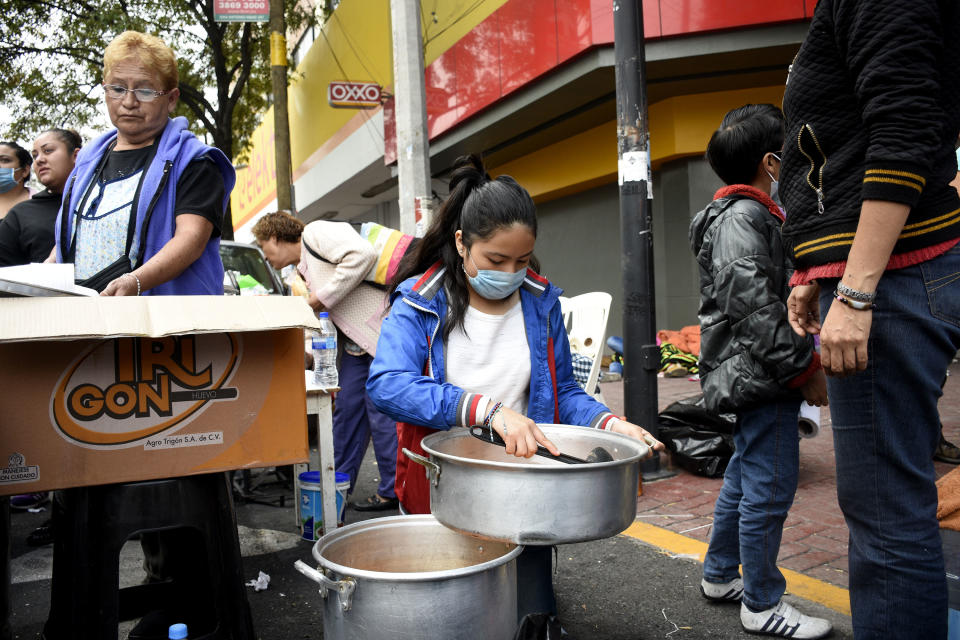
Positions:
{"x": 597, "y": 454}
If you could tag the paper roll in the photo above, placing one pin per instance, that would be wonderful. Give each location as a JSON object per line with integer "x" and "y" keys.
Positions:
{"x": 809, "y": 423}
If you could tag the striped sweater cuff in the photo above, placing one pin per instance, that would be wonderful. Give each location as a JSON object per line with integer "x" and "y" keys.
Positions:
{"x": 472, "y": 409}
{"x": 894, "y": 184}
{"x": 603, "y": 420}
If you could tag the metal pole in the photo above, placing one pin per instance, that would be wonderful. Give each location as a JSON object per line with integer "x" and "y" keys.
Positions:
{"x": 413, "y": 145}
{"x": 281, "y": 118}
{"x": 641, "y": 354}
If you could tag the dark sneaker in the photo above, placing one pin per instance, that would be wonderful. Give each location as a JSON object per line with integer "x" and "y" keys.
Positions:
{"x": 784, "y": 621}
{"x": 42, "y": 535}
{"x": 376, "y": 503}
{"x": 946, "y": 452}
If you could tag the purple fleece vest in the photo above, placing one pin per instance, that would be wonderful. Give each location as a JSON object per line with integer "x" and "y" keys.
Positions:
{"x": 177, "y": 148}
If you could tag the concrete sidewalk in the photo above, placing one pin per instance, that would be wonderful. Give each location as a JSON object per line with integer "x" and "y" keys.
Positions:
{"x": 642, "y": 584}
{"x": 815, "y": 534}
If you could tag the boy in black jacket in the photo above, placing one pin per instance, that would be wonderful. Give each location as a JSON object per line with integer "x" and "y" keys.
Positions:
{"x": 752, "y": 364}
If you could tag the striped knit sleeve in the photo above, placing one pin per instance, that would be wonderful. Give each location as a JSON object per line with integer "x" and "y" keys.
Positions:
{"x": 604, "y": 420}
{"x": 472, "y": 409}
{"x": 891, "y": 50}
{"x": 892, "y": 184}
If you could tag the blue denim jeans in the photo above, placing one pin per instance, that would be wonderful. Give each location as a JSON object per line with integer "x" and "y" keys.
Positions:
{"x": 356, "y": 421}
{"x": 885, "y": 429}
{"x": 758, "y": 489}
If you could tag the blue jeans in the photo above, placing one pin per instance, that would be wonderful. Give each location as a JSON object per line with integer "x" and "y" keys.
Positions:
{"x": 356, "y": 420}
{"x": 885, "y": 429}
{"x": 758, "y": 489}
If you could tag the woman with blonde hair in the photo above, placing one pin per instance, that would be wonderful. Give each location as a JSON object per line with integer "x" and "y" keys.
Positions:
{"x": 143, "y": 207}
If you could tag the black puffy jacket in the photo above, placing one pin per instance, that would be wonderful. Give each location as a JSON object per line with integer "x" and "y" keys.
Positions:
{"x": 749, "y": 355}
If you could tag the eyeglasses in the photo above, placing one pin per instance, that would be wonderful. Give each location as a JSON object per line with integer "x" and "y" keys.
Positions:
{"x": 116, "y": 92}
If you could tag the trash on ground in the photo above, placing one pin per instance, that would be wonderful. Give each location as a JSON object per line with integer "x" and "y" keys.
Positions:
{"x": 260, "y": 583}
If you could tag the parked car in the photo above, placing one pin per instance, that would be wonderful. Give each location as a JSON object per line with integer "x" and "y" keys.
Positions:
{"x": 246, "y": 271}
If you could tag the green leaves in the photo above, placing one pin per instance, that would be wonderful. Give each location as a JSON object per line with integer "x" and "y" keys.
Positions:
{"x": 51, "y": 57}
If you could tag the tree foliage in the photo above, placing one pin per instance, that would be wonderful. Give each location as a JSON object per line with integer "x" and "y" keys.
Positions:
{"x": 51, "y": 64}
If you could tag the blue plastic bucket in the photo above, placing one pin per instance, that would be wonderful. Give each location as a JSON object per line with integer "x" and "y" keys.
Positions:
{"x": 311, "y": 503}
{"x": 343, "y": 488}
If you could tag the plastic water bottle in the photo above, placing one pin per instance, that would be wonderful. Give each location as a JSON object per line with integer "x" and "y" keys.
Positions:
{"x": 325, "y": 353}
{"x": 177, "y": 631}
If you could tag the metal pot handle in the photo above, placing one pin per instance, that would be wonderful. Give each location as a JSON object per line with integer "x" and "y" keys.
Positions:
{"x": 344, "y": 588}
{"x": 433, "y": 469}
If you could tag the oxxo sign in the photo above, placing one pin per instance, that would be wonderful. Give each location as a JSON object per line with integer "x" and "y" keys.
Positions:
{"x": 354, "y": 95}
{"x": 123, "y": 391}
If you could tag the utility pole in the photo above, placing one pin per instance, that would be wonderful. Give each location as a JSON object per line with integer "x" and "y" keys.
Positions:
{"x": 281, "y": 118}
{"x": 641, "y": 357}
{"x": 413, "y": 145}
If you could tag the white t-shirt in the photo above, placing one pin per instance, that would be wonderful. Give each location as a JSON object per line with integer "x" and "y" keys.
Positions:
{"x": 490, "y": 355}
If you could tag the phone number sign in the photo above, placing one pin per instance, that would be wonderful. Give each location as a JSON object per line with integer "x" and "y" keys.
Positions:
{"x": 241, "y": 10}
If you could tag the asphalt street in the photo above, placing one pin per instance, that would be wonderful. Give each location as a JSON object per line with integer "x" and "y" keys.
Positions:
{"x": 618, "y": 588}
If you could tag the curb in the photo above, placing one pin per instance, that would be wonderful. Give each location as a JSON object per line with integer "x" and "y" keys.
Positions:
{"x": 798, "y": 584}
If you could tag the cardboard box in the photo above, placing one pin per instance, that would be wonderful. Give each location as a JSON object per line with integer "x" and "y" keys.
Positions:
{"x": 103, "y": 390}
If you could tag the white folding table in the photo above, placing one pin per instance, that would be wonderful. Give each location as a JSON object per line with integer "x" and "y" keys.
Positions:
{"x": 319, "y": 404}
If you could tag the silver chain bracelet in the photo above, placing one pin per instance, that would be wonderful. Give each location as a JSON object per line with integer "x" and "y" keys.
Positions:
{"x": 853, "y": 294}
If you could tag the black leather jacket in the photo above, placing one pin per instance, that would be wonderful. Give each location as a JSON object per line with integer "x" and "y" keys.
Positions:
{"x": 749, "y": 355}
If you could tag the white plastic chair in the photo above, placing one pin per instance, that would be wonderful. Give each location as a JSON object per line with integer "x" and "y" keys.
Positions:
{"x": 585, "y": 318}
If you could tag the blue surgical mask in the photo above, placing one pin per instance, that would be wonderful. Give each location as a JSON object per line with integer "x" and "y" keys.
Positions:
{"x": 495, "y": 285}
{"x": 7, "y": 181}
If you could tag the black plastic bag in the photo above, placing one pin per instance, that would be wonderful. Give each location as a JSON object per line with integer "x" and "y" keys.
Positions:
{"x": 701, "y": 441}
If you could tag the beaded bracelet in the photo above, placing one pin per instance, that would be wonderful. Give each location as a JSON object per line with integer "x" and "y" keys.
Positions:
{"x": 853, "y": 304}
{"x": 488, "y": 421}
{"x": 131, "y": 273}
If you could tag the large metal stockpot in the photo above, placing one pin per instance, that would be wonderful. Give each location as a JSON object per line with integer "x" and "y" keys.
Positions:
{"x": 480, "y": 490}
{"x": 411, "y": 577}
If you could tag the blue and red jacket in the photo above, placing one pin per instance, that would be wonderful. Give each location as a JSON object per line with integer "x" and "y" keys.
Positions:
{"x": 407, "y": 377}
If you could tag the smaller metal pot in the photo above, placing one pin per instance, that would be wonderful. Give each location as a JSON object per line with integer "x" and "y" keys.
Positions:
{"x": 479, "y": 489}
{"x": 411, "y": 577}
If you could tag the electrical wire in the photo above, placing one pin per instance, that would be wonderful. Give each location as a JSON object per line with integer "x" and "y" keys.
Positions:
{"x": 427, "y": 23}
{"x": 376, "y": 136}
{"x": 473, "y": 7}
{"x": 334, "y": 54}
{"x": 423, "y": 25}
{"x": 463, "y": 15}
{"x": 354, "y": 49}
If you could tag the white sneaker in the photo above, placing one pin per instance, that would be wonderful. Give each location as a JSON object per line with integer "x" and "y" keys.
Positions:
{"x": 722, "y": 591}
{"x": 784, "y": 621}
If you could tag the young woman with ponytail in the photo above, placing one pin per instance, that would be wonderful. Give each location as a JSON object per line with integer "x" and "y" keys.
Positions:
{"x": 467, "y": 306}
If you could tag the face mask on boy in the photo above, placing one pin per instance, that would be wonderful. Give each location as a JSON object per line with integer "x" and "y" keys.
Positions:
{"x": 774, "y": 184}
{"x": 494, "y": 285}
